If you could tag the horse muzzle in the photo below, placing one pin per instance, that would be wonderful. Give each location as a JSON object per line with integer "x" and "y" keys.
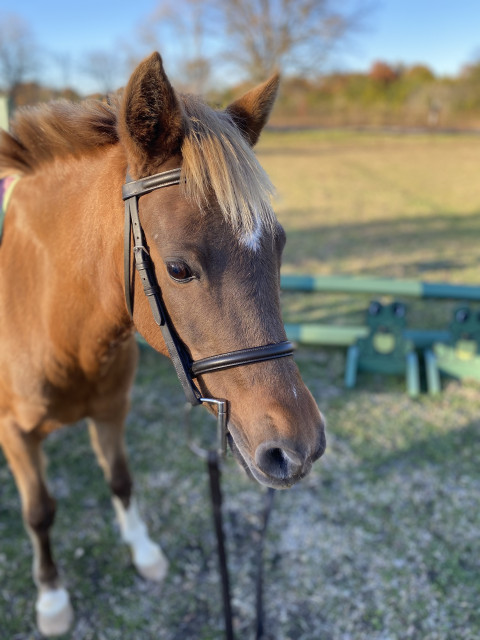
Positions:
{"x": 278, "y": 462}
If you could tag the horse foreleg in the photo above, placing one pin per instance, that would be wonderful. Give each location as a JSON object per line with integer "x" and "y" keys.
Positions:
{"x": 108, "y": 444}
{"x": 24, "y": 455}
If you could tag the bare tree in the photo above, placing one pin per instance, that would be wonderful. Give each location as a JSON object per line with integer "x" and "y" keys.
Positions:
{"x": 106, "y": 69}
{"x": 293, "y": 35}
{"x": 257, "y": 36}
{"x": 64, "y": 62}
{"x": 19, "y": 55}
{"x": 180, "y": 29}
{"x": 195, "y": 74}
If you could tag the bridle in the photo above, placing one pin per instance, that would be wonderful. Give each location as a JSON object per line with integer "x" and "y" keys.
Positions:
{"x": 185, "y": 367}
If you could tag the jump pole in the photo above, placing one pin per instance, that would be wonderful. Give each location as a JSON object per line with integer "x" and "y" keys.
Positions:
{"x": 338, "y": 336}
{"x": 379, "y": 286}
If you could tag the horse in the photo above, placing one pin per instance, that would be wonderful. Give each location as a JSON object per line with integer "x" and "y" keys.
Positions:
{"x": 71, "y": 305}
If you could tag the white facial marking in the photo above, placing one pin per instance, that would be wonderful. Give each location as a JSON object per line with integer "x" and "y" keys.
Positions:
{"x": 295, "y": 392}
{"x": 252, "y": 240}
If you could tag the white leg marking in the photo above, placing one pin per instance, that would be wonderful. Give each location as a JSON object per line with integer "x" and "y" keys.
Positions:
{"x": 54, "y": 611}
{"x": 147, "y": 556}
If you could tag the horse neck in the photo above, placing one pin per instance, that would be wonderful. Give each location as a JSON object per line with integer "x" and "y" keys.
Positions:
{"x": 84, "y": 239}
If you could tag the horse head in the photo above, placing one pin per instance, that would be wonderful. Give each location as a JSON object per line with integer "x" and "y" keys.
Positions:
{"x": 216, "y": 249}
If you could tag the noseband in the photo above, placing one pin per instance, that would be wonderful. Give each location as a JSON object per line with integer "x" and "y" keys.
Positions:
{"x": 185, "y": 367}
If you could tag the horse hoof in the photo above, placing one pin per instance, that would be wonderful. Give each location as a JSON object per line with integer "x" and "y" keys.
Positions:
{"x": 54, "y": 612}
{"x": 155, "y": 568}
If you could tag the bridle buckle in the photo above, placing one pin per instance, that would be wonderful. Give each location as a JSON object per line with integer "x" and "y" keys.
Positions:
{"x": 222, "y": 419}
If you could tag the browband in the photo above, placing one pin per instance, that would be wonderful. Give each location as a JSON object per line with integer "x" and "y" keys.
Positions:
{"x": 150, "y": 183}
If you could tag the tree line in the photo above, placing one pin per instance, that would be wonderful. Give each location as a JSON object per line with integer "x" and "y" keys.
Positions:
{"x": 247, "y": 40}
{"x": 205, "y": 42}
{"x": 385, "y": 95}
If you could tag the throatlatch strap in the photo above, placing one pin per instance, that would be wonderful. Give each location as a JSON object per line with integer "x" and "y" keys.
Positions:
{"x": 127, "y": 238}
{"x": 144, "y": 266}
{"x": 131, "y": 191}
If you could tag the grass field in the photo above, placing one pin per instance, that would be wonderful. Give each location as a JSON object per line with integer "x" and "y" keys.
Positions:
{"x": 382, "y": 540}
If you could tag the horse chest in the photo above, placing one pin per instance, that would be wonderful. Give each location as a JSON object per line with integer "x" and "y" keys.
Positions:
{"x": 64, "y": 391}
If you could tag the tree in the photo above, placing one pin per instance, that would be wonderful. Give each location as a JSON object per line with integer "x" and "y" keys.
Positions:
{"x": 253, "y": 36}
{"x": 106, "y": 69}
{"x": 420, "y": 73}
{"x": 296, "y": 36}
{"x": 383, "y": 73}
{"x": 180, "y": 29}
{"x": 196, "y": 74}
{"x": 18, "y": 54}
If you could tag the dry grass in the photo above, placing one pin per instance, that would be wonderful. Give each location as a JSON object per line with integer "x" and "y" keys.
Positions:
{"x": 390, "y": 205}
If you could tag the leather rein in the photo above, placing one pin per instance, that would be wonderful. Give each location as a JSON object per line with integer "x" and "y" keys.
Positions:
{"x": 185, "y": 367}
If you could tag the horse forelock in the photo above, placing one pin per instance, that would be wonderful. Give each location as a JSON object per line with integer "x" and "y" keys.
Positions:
{"x": 218, "y": 162}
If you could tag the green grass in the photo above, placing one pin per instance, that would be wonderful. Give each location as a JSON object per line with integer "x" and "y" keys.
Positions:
{"x": 382, "y": 539}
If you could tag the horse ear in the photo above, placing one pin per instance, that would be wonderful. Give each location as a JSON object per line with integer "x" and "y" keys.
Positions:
{"x": 251, "y": 111}
{"x": 151, "y": 119}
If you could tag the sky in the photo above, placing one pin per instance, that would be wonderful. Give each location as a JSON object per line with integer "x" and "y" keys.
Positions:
{"x": 443, "y": 34}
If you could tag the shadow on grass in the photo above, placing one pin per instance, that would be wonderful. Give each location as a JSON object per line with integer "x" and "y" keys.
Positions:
{"x": 403, "y": 235}
{"x": 456, "y": 452}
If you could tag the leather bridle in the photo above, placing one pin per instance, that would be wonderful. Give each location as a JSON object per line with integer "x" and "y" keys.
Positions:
{"x": 185, "y": 367}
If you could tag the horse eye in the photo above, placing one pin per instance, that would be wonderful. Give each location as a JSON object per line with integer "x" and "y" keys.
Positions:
{"x": 179, "y": 271}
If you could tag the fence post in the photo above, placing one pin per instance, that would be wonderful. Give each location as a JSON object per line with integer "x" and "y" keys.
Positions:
{"x": 4, "y": 112}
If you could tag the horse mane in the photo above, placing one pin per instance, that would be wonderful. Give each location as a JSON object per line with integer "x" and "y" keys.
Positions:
{"x": 216, "y": 157}
{"x": 56, "y": 129}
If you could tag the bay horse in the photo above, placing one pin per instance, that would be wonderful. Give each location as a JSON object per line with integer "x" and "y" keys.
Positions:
{"x": 68, "y": 348}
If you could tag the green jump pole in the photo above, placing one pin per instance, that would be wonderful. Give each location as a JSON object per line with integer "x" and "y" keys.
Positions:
{"x": 330, "y": 335}
{"x": 325, "y": 334}
{"x": 379, "y": 286}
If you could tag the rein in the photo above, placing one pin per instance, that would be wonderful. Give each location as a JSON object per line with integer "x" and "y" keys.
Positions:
{"x": 187, "y": 370}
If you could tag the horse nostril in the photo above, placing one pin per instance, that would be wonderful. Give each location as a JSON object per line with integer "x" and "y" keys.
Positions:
{"x": 277, "y": 462}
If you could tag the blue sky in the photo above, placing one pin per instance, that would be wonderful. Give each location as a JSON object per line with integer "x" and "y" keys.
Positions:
{"x": 445, "y": 34}
{"x": 441, "y": 33}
